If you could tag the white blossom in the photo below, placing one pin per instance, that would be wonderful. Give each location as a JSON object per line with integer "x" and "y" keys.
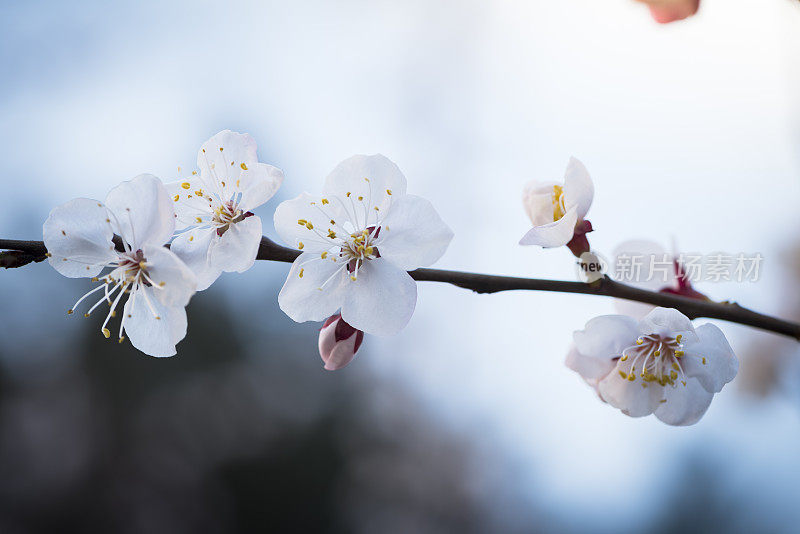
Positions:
{"x": 78, "y": 236}
{"x": 358, "y": 240}
{"x": 557, "y": 210}
{"x": 216, "y": 206}
{"x": 660, "y": 365}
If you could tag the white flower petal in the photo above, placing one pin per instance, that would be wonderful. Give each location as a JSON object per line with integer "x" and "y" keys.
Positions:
{"x": 302, "y": 299}
{"x": 382, "y": 300}
{"x": 578, "y": 187}
{"x": 78, "y": 237}
{"x": 229, "y": 164}
{"x": 383, "y": 175}
{"x": 192, "y": 248}
{"x": 173, "y": 282}
{"x": 629, "y": 396}
{"x": 721, "y": 364}
{"x": 684, "y": 405}
{"x": 320, "y": 215}
{"x": 258, "y": 183}
{"x": 590, "y": 368}
{"x": 143, "y": 210}
{"x": 412, "y": 234}
{"x": 236, "y": 249}
{"x": 190, "y": 202}
{"x": 603, "y": 339}
{"x": 154, "y": 337}
{"x": 554, "y": 234}
{"x": 537, "y": 199}
{"x": 667, "y": 322}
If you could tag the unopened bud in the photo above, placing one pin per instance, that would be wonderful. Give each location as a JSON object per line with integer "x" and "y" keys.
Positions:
{"x": 338, "y": 342}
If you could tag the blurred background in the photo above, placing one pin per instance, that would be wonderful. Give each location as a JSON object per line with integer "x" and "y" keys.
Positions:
{"x": 468, "y": 420}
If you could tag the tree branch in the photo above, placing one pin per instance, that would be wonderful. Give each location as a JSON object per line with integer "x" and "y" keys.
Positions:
{"x": 24, "y": 252}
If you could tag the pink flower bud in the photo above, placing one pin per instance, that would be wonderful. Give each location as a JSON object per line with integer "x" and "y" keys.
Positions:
{"x": 338, "y": 342}
{"x": 665, "y": 11}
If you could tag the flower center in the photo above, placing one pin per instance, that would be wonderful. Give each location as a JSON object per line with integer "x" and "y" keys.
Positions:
{"x": 360, "y": 247}
{"x": 226, "y": 214}
{"x": 130, "y": 274}
{"x": 559, "y": 208}
{"x": 655, "y": 358}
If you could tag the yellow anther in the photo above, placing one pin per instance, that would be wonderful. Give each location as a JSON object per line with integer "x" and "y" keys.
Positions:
{"x": 121, "y": 339}
{"x": 86, "y": 315}
{"x": 388, "y": 191}
{"x": 194, "y": 173}
{"x": 324, "y": 255}
{"x": 370, "y": 250}
{"x": 198, "y": 219}
{"x": 309, "y": 226}
{"x": 191, "y": 238}
{"x": 220, "y": 149}
{"x": 158, "y": 317}
{"x": 325, "y": 201}
{"x": 108, "y": 220}
{"x": 302, "y": 222}
{"x": 360, "y": 198}
{"x": 662, "y": 401}
{"x": 176, "y": 197}
{"x": 678, "y": 353}
{"x": 639, "y": 341}
{"x": 353, "y": 278}
{"x": 243, "y": 166}
{"x": 631, "y": 377}
{"x": 113, "y": 313}
{"x": 186, "y": 185}
{"x": 657, "y": 353}
{"x": 348, "y": 194}
{"x": 142, "y": 265}
{"x": 70, "y": 312}
{"x": 107, "y": 333}
{"x": 333, "y": 222}
{"x": 675, "y": 366}
{"x": 199, "y": 192}
{"x": 624, "y": 358}
{"x": 162, "y": 284}
{"x": 366, "y": 179}
{"x": 223, "y": 183}
{"x": 99, "y": 205}
{"x": 232, "y": 163}
{"x": 704, "y": 360}
{"x": 48, "y": 255}
{"x": 622, "y": 374}
{"x": 331, "y": 234}
{"x": 376, "y": 208}
{"x": 301, "y": 272}
{"x": 95, "y": 279}
{"x": 239, "y": 184}
{"x": 683, "y": 382}
{"x": 678, "y": 338}
{"x": 300, "y": 245}
{"x": 63, "y": 232}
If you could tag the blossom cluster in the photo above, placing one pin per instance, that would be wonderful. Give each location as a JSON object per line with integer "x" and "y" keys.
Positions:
{"x": 149, "y": 246}
{"x": 358, "y": 240}
{"x": 649, "y": 360}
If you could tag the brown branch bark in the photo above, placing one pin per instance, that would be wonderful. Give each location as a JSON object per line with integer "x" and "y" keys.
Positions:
{"x": 23, "y": 252}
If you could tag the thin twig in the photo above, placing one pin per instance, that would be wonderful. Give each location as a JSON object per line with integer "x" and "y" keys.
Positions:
{"x": 485, "y": 283}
